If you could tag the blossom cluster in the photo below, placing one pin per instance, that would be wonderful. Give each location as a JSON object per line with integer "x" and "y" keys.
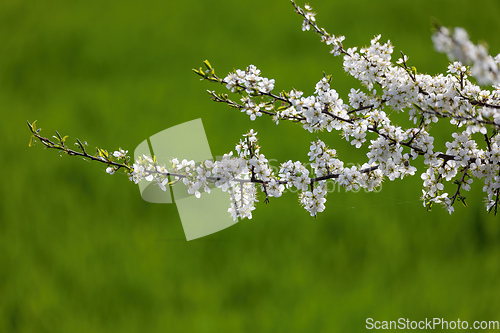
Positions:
{"x": 458, "y": 47}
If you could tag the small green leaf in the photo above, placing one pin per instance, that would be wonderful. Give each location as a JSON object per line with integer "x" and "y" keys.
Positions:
{"x": 32, "y": 141}
{"x": 102, "y": 153}
{"x": 33, "y": 127}
{"x": 79, "y": 143}
{"x": 30, "y": 126}
{"x": 207, "y": 63}
{"x": 417, "y": 106}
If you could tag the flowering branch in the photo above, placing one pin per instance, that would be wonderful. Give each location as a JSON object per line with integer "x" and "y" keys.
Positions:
{"x": 362, "y": 120}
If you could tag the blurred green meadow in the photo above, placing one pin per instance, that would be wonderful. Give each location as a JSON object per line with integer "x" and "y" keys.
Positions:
{"x": 80, "y": 251}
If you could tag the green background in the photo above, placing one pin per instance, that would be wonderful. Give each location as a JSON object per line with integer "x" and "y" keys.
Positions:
{"x": 80, "y": 251}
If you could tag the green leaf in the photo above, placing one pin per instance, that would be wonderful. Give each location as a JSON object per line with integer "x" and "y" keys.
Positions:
{"x": 417, "y": 106}
{"x": 207, "y": 63}
{"x": 102, "y": 153}
{"x": 79, "y": 143}
{"x": 30, "y": 126}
